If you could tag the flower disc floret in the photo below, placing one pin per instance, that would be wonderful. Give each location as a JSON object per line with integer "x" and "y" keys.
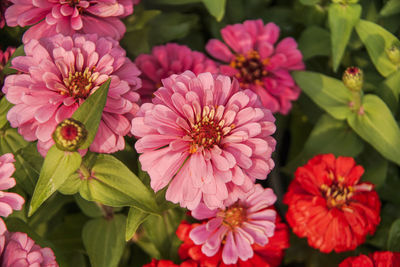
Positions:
{"x": 57, "y": 74}
{"x": 49, "y": 17}
{"x": 259, "y": 63}
{"x": 204, "y": 138}
{"x": 237, "y": 227}
{"x": 329, "y": 206}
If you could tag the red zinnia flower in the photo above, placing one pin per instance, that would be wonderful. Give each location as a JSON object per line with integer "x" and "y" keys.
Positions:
{"x": 160, "y": 263}
{"x": 269, "y": 255}
{"x": 329, "y": 206}
{"x": 378, "y": 258}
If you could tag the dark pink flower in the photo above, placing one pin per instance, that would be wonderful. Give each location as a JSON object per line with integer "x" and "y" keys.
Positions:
{"x": 4, "y": 57}
{"x": 21, "y": 250}
{"x": 57, "y": 75}
{"x": 204, "y": 137}
{"x": 238, "y": 226}
{"x": 259, "y": 63}
{"x": 4, "y": 4}
{"x": 8, "y": 201}
{"x": 166, "y": 60}
{"x": 69, "y": 16}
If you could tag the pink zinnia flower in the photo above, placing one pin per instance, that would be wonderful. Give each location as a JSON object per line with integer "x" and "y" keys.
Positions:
{"x": 257, "y": 64}
{"x": 4, "y": 4}
{"x": 21, "y": 250}
{"x": 8, "y": 201}
{"x": 69, "y": 16}
{"x": 207, "y": 136}
{"x": 166, "y": 60}
{"x": 58, "y": 74}
{"x": 240, "y": 225}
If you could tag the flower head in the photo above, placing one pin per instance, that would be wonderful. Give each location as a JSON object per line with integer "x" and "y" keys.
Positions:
{"x": 353, "y": 78}
{"x": 69, "y": 16}
{"x": 258, "y": 64}
{"x": 4, "y": 4}
{"x": 166, "y": 60}
{"x": 269, "y": 255}
{"x": 241, "y": 224}
{"x": 4, "y": 57}
{"x": 58, "y": 74}
{"x": 393, "y": 53}
{"x": 211, "y": 139}
{"x": 378, "y": 258}
{"x": 329, "y": 206}
{"x": 69, "y": 134}
{"x": 8, "y": 201}
{"x": 21, "y": 250}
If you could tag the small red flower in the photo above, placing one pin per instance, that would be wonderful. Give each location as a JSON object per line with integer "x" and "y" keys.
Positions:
{"x": 329, "y": 206}
{"x": 269, "y": 255}
{"x": 160, "y": 263}
{"x": 378, "y": 258}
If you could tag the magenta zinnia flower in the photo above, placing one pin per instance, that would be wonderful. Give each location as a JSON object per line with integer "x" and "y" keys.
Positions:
{"x": 258, "y": 64}
{"x": 4, "y": 4}
{"x": 69, "y": 16}
{"x": 21, "y": 250}
{"x": 207, "y": 136}
{"x": 166, "y": 60}
{"x": 239, "y": 225}
{"x": 8, "y": 201}
{"x": 4, "y": 57}
{"x": 58, "y": 74}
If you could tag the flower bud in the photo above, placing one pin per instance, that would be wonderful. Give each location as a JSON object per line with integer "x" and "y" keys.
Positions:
{"x": 70, "y": 135}
{"x": 353, "y": 78}
{"x": 393, "y": 53}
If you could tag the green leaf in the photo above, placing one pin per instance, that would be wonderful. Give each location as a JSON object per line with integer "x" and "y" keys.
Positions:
{"x": 89, "y": 208}
{"x": 376, "y": 39}
{"x": 113, "y": 184}
{"x": 4, "y": 108}
{"x": 309, "y": 2}
{"x": 391, "y": 7}
{"x": 392, "y": 84}
{"x": 18, "y": 52}
{"x": 216, "y": 8}
{"x": 104, "y": 241}
{"x": 314, "y": 41}
{"x": 378, "y": 127}
{"x": 140, "y": 19}
{"x": 376, "y": 166}
{"x": 328, "y": 93}
{"x": 89, "y": 113}
{"x": 58, "y": 166}
{"x": 393, "y": 243}
{"x": 328, "y": 136}
{"x": 342, "y": 19}
{"x": 135, "y": 218}
{"x": 11, "y": 141}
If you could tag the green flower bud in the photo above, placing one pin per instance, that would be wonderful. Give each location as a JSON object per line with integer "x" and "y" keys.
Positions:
{"x": 353, "y": 78}
{"x": 393, "y": 54}
{"x": 69, "y": 135}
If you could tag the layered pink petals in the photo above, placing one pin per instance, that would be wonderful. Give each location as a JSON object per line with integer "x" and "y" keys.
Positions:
{"x": 205, "y": 138}
{"x": 166, "y": 60}
{"x": 68, "y": 17}
{"x": 58, "y": 74}
{"x": 254, "y": 44}
{"x": 20, "y": 250}
{"x": 240, "y": 225}
{"x": 8, "y": 201}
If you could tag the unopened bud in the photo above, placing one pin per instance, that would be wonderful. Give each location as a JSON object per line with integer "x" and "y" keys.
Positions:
{"x": 70, "y": 135}
{"x": 353, "y": 78}
{"x": 393, "y": 54}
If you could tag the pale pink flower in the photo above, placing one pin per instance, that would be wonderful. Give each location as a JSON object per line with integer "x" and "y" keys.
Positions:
{"x": 8, "y": 201}
{"x": 21, "y": 250}
{"x": 248, "y": 221}
{"x": 57, "y": 75}
{"x": 210, "y": 138}
{"x": 258, "y": 63}
{"x": 50, "y": 17}
{"x": 166, "y": 60}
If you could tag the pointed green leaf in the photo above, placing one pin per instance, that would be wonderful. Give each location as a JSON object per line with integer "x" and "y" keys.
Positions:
{"x": 328, "y": 93}
{"x": 376, "y": 39}
{"x": 11, "y": 141}
{"x": 89, "y": 208}
{"x": 135, "y": 218}
{"x": 58, "y": 166}
{"x": 314, "y": 41}
{"x": 104, "y": 240}
{"x": 113, "y": 184}
{"x": 89, "y": 113}
{"x": 389, "y": 90}
{"x": 378, "y": 127}
{"x": 18, "y": 52}
{"x": 342, "y": 19}
{"x": 393, "y": 243}
{"x": 4, "y": 108}
{"x": 216, "y": 8}
{"x": 391, "y": 7}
